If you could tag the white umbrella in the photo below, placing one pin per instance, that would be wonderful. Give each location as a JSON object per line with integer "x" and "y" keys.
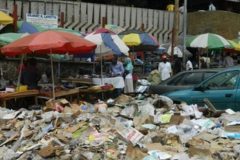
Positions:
{"x": 207, "y": 40}
{"x": 178, "y": 50}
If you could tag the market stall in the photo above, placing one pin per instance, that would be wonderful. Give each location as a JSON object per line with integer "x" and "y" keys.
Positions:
{"x": 106, "y": 42}
{"x": 48, "y": 42}
{"x": 63, "y": 93}
{"x": 7, "y": 96}
{"x": 117, "y": 82}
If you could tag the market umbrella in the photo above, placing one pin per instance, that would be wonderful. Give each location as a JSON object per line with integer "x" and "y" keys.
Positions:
{"x": 28, "y": 28}
{"x": 7, "y": 38}
{"x": 5, "y": 18}
{"x": 49, "y": 42}
{"x": 235, "y": 44}
{"x": 178, "y": 50}
{"x": 114, "y": 28}
{"x": 207, "y": 40}
{"x": 139, "y": 40}
{"x": 67, "y": 30}
{"x": 107, "y": 40}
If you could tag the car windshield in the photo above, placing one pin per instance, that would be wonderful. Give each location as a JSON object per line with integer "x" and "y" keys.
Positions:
{"x": 189, "y": 78}
{"x": 226, "y": 80}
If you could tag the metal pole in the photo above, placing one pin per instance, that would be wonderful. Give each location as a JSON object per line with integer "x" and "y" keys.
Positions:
{"x": 175, "y": 28}
{"x": 184, "y": 30}
{"x": 20, "y": 72}
{"x": 101, "y": 64}
{"x": 52, "y": 72}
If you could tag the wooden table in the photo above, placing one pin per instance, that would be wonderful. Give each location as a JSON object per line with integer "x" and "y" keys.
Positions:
{"x": 117, "y": 82}
{"x": 5, "y": 96}
{"x": 61, "y": 93}
{"x": 85, "y": 81}
{"x": 90, "y": 90}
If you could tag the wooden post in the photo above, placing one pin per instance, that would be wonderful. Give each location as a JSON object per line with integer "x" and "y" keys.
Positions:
{"x": 104, "y": 21}
{"x": 6, "y": 4}
{"x": 175, "y": 28}
{"x": 142, "y": 27}
{"x": 15, "y": 16}
{"x": 62, "y": 19}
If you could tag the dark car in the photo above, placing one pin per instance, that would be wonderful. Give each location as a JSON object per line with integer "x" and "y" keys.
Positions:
{"x": 182, "y": 80}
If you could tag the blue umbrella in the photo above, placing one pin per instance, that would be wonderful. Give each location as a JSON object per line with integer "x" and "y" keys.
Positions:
{"x": 107, "y": 41}
{"x": 27, "y": 28}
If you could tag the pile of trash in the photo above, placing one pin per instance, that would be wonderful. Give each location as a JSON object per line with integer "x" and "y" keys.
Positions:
{"x": 153, "y": 128}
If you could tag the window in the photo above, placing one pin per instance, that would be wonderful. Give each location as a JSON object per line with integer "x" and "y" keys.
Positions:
{"x": 191, "y": 79}
{"x": 176, "y": 79}
{"x": 208, "y": 74}
{"x": 226, "y": 80}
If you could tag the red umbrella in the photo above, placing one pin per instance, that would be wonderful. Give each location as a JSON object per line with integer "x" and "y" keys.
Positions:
{"x": 49, "y": 42}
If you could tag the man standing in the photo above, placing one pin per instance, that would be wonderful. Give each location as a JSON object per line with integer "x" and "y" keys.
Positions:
{"x": 228, "y": 61}
{"x": 189, "y": 65}
{"x": 177, "y": 66}
{"x": 116, "y": 67}
{"x": 165, "y": 68}
{"x": 117, "y": 70}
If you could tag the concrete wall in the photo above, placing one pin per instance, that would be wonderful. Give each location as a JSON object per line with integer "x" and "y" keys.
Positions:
{"x": 224, "y": 23}
{"x": 86, "y": 17}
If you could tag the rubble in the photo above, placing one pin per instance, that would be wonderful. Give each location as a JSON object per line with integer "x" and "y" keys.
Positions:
{"x": 129, "y": 129}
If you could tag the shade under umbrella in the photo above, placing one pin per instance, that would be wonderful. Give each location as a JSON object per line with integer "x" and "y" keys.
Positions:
{"x": 207, "y": 40}
{"x": 139, "y": 40}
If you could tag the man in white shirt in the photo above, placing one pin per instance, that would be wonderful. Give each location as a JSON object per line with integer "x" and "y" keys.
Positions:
{"x": 189, "y": 65}
{"x": 165, "y": 68}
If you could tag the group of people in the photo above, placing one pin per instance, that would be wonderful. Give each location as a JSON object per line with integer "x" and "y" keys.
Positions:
{"x": 117, "y": 68}
{"x": 165, "y": 67}
{"x": 30, "y": 75}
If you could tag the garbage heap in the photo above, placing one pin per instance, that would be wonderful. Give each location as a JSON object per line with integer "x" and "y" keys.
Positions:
{"x": 125, "y": 128}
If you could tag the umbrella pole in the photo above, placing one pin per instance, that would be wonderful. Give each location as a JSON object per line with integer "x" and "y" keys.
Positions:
{"x": 59, "y": 69}
{"x": 20, "y": 72}
{"x": 101, "y": 66}
{"x": 101, "y": 70}
{"x": 53, "y": 84}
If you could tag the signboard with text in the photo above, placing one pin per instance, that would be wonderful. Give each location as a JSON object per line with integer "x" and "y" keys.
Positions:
{"x": 45, "y": 21}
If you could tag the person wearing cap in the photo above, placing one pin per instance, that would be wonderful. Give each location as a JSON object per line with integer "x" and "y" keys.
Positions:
{"x": 165, "y": 68}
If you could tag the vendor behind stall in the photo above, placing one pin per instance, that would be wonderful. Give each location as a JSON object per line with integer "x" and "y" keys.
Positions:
{"x": 116, "y": 69}
{"x": 128, "y": 75}
{"x": 30, "y": 75}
